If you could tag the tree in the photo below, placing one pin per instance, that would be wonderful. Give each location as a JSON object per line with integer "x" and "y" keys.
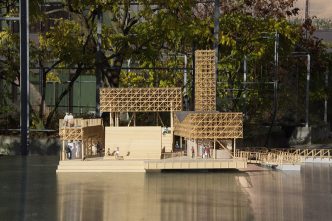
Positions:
{"x": 152, "y": 34}
{"x": 141, "y": 35}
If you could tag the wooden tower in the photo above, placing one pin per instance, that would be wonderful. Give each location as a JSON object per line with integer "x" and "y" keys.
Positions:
{"x": 205, "y": 81}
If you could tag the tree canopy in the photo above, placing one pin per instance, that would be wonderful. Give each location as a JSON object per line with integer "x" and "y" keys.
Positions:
{"x": 157, "y": 33}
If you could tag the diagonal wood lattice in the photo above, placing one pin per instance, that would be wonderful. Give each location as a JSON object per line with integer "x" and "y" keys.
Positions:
{"x": 209, "y": 125}
{"x": 71, "y": 133}
{"x": 205, "y": 81}
{"x": 82, "y": 129}
{"x": 140, "y": 99}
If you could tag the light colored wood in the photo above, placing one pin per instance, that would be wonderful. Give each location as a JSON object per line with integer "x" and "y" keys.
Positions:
{"x": 112, "y": 119}
{"x": 146, "y": 165}
{"x": 71, "y": 133}
{"x": 83, "y": 150}
{"x": 88, "y": 131}
{"x": 214, "y": 148}
{"x": 140, "y": 99}
{"x": 133, "y": 142}
{"x": 234, "y": 147}
{"x": 167, "y": 142}
{"x": 76, "y": 132}
{"x": 99, "y": 165}
{"x": 80, "y": 122}
{"x": 116, "y": 119}
{"x": 210, "y": 126}
{"x": 205, "y": 82}
{"x": 171, "y": 164}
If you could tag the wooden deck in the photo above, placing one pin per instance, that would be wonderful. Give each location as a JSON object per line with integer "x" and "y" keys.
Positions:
{"x": 99, "y": 165}
{"x": 102, "y": 165}
{"x": 285, "y": 159}
{"x": 194, "y": 164}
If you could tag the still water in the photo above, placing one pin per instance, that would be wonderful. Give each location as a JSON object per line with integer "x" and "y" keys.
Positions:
{"x": 31, "y": 190}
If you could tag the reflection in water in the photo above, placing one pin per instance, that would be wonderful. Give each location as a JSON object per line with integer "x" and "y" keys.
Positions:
{"x": 30, "y": 190}
{"x": 316, "y": 180}
{"x": 275, "y": 195}
{"x": 260, "y": 195}
{"x": 291, "y": 195}
{"x": 155, "y": 196}
{"x": 196, "y": 196}
{"x": 101, "y": 196}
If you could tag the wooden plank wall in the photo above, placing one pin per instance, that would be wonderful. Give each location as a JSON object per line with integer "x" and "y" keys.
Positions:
{"x": 167, "y": 142}
{"x": 134, "y": 142}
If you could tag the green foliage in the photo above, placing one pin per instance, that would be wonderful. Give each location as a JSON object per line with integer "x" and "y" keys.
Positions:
{"x": 53, "y": 77}
{"x": 254, "y": 37}
{"x": 9, "y": 51}
{"x": 159, "y": 33}
{"x": 66, "y": 42}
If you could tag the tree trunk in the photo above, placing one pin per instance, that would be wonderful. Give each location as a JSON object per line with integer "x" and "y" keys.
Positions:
{"x": 112, "y": 74}
{"x": 63, "y": 94}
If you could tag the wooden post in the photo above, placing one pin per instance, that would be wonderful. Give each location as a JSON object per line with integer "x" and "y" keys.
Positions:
{"x": 214, "y": 148}
{"x": 134, "y": 119}
{"x": 83, "y": 150}
{"x": 172, "y": 131}
{"x": 62, "y": 155}
{"x": 186, "y": 146}
{"x": 111, "y": 120}
{"x": 117, "y": 119}
{"x": 171, "y": 120}
{"x": 196, "y": 147}
{"x": 234, "y": 146}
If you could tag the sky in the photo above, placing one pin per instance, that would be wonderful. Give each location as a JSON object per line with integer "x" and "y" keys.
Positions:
{"x": 319, "y": 8}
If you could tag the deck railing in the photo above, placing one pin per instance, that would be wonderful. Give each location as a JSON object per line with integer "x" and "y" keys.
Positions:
{"x": 273, "y": 158}
{"x": 80, "y": 122}
{"x": 313, "y": 153}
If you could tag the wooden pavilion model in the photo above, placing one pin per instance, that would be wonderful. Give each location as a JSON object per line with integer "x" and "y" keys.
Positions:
{"x": 146, "y": 147}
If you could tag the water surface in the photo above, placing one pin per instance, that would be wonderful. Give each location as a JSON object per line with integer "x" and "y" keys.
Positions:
{"x": 31, "y": 190}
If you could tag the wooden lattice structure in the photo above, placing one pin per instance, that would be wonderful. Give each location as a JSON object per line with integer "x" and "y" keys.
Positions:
{"x": 207, "y": 125}
{"x": 82, "y": 128}
{"x": 205, "y": 80}
{"x": 140, "y": 99}
{"x": 87, "y": 131}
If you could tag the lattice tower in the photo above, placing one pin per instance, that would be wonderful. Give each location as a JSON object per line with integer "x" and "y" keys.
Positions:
{"x": 205, "y": 81}
{"x": 140, "y": 99}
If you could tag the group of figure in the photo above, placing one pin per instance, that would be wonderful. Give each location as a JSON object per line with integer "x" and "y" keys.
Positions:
{"x": 115, "y": 153}
{"x": 205, "y": 152}
{"x": 68, "y": 120}
{"x": 96, "y": 149}
{"x": 72, "y": 150}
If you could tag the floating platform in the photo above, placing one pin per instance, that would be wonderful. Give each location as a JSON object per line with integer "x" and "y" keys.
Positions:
{"x": 316, "y": 159}
{"x": 102, "y": 165}
{"x": 194, "y": 164}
